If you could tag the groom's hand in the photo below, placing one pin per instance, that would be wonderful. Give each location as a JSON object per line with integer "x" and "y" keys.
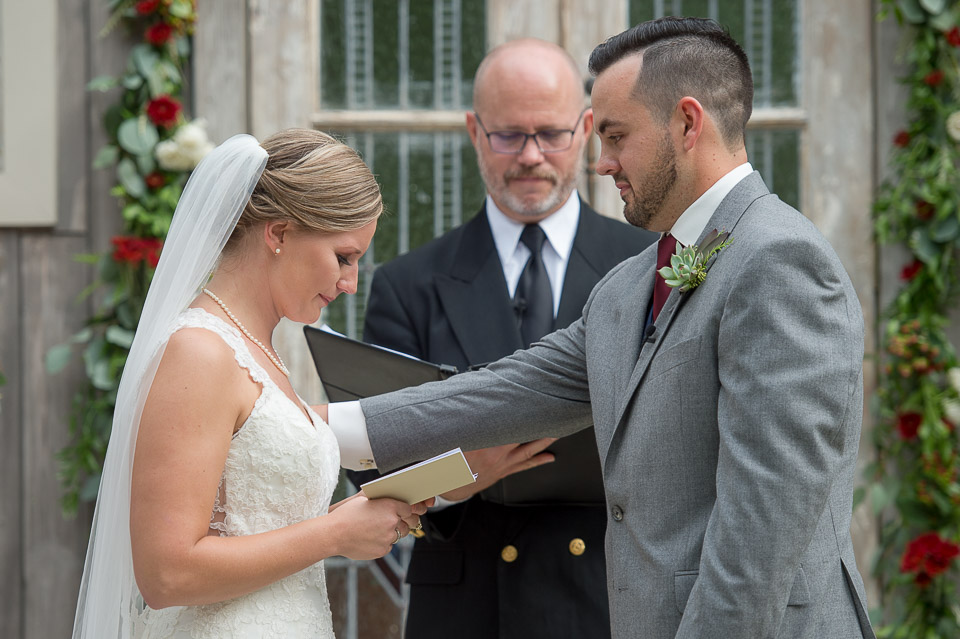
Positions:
{"x": 493, "y": 464}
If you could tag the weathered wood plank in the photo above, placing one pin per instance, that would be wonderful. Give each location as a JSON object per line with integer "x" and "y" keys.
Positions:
{"x": 11, "y": 482}
{"x": 73, "y": 143}
{"x": 284, "y": 57}
{"x": 53, "y": 547}
{"x": 508, "y": 20}
{"x": 220, "y": 68}
{"x": 838, "y": 183}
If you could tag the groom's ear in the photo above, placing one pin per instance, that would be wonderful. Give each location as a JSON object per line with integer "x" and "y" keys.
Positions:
{"x": 691, "y": 118}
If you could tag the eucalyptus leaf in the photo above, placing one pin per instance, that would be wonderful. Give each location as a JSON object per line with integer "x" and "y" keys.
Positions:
{"x": 923, "y": 247}
{"x": 144, "y": 58}
{"x": 119, "y": 336}
{"x": 912, "y": 11}
{"x": 946, "y": 230}
{"x": 171, "y": 72}
{"x": 90, "y": 488}
{"x": 130, "y": 179}
{"x": 106, "y": 157}
{"x": 58, "y": 357}
{"x": 859, "y": 493}
{"x": 878, "y": 498}
{"x": 146, "y": 163}
{"x": 100, "y": 375}
{"x": 137, "y": 136}
{"x": 102, "y": 83}
{"x": 934, "y": 7}
{"x": 944, "y": 21}
{"x": 82, "y": 336}
{"x": 180, "y": 8}
{"x": 132, "y": 81}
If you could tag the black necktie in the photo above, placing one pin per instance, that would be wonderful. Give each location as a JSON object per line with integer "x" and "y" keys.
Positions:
{"x": 534, "y": 297}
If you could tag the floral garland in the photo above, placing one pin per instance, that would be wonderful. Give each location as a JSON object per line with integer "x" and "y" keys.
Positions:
{"x": 152, "y": 147}
{"x": 915, "y": 487}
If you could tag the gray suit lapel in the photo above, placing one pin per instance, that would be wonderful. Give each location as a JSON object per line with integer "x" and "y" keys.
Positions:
{"x": 726, "y": 217}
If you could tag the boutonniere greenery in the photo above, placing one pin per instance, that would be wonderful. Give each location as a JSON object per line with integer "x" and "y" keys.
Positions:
{"x": 689, "y": 265}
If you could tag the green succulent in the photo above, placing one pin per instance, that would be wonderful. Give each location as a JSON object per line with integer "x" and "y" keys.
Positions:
{"x": 688, "y": 266}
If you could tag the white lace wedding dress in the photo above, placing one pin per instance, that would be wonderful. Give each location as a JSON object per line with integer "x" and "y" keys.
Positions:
{"x": 281, "y": 469}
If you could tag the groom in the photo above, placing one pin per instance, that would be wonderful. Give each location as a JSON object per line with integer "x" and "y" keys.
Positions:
{"x": 727, "y": 417}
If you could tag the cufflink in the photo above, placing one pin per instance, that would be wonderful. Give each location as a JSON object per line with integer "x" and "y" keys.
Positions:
{"x": 367, "y": 464}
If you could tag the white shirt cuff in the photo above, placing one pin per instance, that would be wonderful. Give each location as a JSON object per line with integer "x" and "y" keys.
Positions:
{"x": 442, "y": 503}
{"x": 348, "y": 424}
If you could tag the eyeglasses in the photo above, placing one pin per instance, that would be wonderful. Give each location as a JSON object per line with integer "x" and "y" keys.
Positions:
{"x": 513, "y": 142}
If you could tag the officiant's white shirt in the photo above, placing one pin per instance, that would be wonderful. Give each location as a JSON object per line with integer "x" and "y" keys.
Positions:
{"x": 346, "y": 419}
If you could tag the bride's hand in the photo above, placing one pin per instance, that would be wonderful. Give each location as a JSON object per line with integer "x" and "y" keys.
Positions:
{"x": 367, "y": 528}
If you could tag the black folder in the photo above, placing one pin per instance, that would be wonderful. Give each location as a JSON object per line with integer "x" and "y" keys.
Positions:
{"x": 350, "y": 369}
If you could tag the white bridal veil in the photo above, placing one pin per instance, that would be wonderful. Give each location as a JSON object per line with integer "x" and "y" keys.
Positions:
{"x": 209, "y": 208}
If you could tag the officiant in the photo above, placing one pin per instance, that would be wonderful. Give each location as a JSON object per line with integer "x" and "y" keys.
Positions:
{"x": 520, "y": 553}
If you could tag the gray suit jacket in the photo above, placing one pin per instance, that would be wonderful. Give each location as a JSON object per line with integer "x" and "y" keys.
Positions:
{"x": 728, "y": 439}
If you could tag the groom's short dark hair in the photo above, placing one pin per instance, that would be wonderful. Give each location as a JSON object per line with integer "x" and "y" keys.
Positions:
{"x": 693, "y": 57}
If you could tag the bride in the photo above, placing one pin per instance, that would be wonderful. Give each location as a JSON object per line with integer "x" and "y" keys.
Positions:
{"x": 214, "y": 511}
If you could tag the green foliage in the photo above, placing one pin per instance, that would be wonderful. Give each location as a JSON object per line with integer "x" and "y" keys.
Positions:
{"x": 916, "y": 491}
{"x": 146, "y": 115}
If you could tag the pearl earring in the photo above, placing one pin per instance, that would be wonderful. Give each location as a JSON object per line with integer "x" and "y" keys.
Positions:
{"x": 277, "y": 250}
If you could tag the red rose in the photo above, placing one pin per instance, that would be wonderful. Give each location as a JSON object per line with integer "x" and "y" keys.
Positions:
{"x": 146, "y": 7}
{"x": 934, "y": 78}
{"x": 159, "y": 33}
{"x": 910, "y": 270}
{"x": 154, "y": 180}
{"x": 928, "y": 555}
{"x": 925, "y": 210}
{"x": 901, "y": 139}
{"x": 908, "y": 424}
{"x": 163, "y": 111}
{"x": 953, "y": 37}
{"x": 126, "y": 249}
{"x": 151, "y": 250}
{"x": 134, "y": 250}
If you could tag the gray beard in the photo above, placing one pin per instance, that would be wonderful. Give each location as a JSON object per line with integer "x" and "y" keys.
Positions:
{"x": 558, "y": 194}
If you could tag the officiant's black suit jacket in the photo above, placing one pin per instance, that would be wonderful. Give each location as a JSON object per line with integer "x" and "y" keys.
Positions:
{"x": 525, "y": 558}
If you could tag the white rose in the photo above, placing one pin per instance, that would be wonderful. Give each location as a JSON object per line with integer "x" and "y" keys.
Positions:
{"x": 192, "y": 135}
{"x": 952, "y": 409}
{"x": 954, "y": 376}
{"x": 195, "y": 154}
{"x": 171, "y": 158}
{"x": 953, "y": 126}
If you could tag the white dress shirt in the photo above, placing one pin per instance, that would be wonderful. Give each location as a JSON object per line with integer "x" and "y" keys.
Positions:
{"x": 346, "y": 419}
{"x": 560, "y": 229}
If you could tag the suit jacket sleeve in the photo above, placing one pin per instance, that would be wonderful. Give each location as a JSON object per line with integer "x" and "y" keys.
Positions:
{"x": 790, "y": 359}
{"x": 538, "y": 392}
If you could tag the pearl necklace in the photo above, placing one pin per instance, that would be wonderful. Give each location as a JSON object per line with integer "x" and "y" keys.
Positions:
{"x": 243, "y": 329}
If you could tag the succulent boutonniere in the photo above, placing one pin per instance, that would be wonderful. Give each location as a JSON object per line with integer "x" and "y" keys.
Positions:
{"x": 688, "y": 266}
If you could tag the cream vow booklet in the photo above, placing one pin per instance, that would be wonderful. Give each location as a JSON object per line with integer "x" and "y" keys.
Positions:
{"x": 424, "y": 480}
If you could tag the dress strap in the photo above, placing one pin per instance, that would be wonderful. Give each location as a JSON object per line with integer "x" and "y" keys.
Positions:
{"x": 200, "y": 318}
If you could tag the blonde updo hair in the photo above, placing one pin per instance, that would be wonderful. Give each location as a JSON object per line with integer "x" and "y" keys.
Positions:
{"x": 313, "y": 181}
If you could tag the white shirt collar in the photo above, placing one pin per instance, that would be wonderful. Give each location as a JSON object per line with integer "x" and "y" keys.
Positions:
{"x": 560, "y": 228}
{"x": 691, "y": 223}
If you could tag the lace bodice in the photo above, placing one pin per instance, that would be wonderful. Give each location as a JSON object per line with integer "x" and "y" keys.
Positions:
{"x": 281, "y": 469}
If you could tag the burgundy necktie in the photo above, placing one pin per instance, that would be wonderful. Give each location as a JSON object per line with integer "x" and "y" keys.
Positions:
{"x": 665, "y": 249}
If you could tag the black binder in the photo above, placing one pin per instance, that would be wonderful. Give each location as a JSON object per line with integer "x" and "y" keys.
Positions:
{"x": 350, "y": 369}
